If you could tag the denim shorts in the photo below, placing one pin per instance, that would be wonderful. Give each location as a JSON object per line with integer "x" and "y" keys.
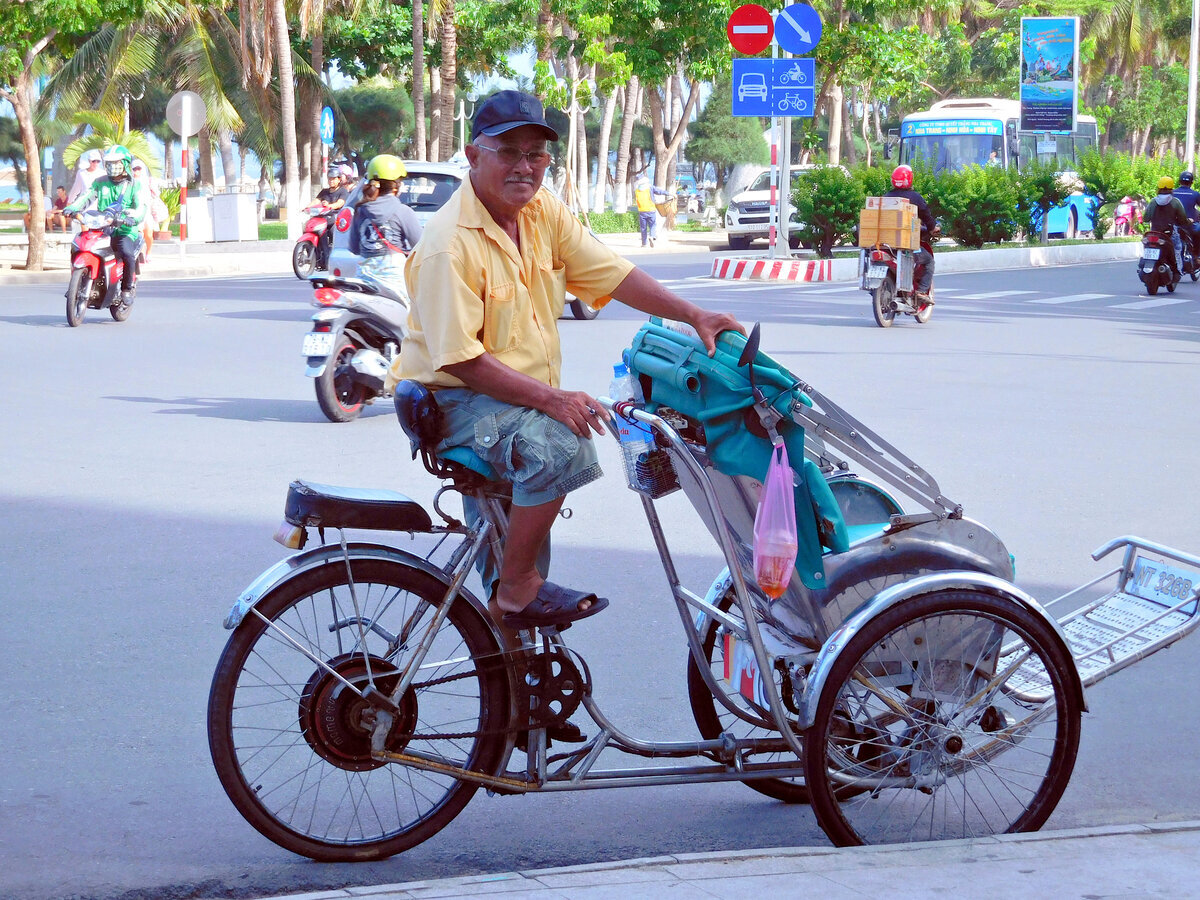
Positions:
{"x": 540, "y": 456}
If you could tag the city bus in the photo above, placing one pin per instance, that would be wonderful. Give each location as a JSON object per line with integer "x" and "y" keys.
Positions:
{"x": 952, "y": 134}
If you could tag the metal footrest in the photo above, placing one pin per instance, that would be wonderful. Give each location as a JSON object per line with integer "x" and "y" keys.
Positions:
{"x": 1152, "y": 605}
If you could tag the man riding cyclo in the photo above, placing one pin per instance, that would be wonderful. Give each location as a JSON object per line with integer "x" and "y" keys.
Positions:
{"x": 902, "y": 186}
{"x": 119, "y": 192}
{"x": 1166, "y": 215}
{"x": 488, "y": 281}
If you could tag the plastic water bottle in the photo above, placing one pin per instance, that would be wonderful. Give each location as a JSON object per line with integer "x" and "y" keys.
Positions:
{"x": 635, "y": 439}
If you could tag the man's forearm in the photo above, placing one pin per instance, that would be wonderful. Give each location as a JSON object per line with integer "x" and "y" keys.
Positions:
{"x": 487, "y": 375}
{"x": 643, "y": 293}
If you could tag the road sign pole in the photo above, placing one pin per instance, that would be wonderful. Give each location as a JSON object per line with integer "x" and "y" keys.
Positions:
{"x": 773, "y": 215}
{"x": 785, "y": 180}
{"x": 183, "y": 188}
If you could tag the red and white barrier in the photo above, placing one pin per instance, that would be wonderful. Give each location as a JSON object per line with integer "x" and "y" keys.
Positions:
{"x": 743, "y": 269}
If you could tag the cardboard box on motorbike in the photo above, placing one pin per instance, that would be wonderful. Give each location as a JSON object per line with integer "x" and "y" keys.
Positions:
{"x": 889, "y": 220}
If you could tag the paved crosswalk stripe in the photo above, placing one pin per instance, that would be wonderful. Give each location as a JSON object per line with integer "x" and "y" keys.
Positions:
{"x": 1072, "y": 298}
{"x": 1151, "y": 304}
{"x": 993, "y": 295}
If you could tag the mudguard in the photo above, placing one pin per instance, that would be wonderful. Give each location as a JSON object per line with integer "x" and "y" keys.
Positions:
{"x": 89, "y": 261}
{"x": 307, "y": 238}
{"x": 331, "y": 554}
{"x": 906, "y": 590}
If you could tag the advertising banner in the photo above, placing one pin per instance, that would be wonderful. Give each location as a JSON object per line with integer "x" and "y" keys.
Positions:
{"x": 1049, "y": 73}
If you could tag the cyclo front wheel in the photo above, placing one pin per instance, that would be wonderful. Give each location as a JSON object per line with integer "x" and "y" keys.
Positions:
{"x": 952, "y": 715}
{"x": 292, "y": 744}
{"x": 713, "y": 718}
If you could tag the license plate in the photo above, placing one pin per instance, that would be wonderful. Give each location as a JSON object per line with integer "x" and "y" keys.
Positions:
{"x": 317, "y": 343}
{"x": 1162, "y": 584}
{"x": 1150, "y": 254}
{"x": 877, "y": 273}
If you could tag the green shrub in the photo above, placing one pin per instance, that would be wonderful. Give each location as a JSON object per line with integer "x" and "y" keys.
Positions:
{"x": 1040, "y": 187}
{"x": 613, "y": 222}
{"x": 975, "y": 206}
{"x": 170, "y": 197}
{"x": 876, "y": 181}
{"x": 828, "y": 200}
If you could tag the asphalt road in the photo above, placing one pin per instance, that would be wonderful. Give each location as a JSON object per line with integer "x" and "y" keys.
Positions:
{"x": 145, "y": 466}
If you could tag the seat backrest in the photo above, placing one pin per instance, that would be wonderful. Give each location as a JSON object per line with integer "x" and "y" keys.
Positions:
{"x": 419, "y": 415}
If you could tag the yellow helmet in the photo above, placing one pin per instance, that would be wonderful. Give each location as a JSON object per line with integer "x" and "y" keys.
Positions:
{"x": 1166, "y": 183}
{"x": 386, "y": 167}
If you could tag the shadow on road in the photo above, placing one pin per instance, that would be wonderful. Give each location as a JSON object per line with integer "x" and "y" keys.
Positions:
{"x": 245, "y": 409}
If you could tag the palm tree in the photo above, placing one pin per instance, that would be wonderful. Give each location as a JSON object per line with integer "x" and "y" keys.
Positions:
{"x": 106, "y": 130}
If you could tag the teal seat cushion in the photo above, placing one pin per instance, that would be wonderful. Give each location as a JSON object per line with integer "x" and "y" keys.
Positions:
{"x": 470, "y": 460}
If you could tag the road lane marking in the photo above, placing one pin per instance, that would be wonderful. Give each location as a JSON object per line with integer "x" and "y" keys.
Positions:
{"x": 1151, "y": 304}
{"x": 1072, "y": 298}
{"x": 993, "y": 295}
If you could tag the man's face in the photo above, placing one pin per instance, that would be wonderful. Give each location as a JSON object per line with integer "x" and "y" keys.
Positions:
{"x": 497, "y": 181}
{"x": 334, "y": 181}
{"x": 61, "y": 192}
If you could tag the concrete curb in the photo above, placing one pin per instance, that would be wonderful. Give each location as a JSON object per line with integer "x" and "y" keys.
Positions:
{"x": 634, "y": 871}
{"x": 756, "y": 268}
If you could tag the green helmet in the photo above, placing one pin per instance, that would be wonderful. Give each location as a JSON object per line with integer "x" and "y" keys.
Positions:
{"x": 118, "y": 161}
{"x": 386, "y": 167}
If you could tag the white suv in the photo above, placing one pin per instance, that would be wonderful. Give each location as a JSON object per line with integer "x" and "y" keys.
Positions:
{"x": 748, "y": 216}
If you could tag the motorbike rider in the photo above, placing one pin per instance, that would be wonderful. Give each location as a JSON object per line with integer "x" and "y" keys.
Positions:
{"x": 384, "y": 229}
{"x": 118, "y": 191}
{"x": 336, "y": 194}
{"x": 1189, "y": 197}
{"x": 1166, "y": 215}
{"x": 902, "y": 186}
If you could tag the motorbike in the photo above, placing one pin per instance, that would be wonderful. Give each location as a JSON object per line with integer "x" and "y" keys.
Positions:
{"x": 313, "y": 247}
{"x": 901, "y": 683}
{"x": 888, "y": 274}
{"x": 1154, "y": 267}
{"x": 355, "y": 337}
{"x": 95, "y": 270}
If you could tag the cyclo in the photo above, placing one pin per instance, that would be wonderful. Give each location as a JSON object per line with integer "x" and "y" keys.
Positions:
{"x": 902, "y": 684}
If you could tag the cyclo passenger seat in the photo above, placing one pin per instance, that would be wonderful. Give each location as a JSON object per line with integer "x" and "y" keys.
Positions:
{"x": 421, "y": 418}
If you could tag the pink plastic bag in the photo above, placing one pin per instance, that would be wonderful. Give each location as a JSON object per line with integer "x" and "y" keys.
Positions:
{"x": 775, "y": 527}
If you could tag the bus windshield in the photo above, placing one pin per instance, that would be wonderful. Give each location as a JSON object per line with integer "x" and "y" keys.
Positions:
{"x": 953, "y": 151}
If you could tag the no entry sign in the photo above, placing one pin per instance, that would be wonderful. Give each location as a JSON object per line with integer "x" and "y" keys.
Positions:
{"x": 750, "y": 28}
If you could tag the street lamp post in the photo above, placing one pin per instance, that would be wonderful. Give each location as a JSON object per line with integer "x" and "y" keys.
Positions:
{"x": 463, "y": 115}
{"x": 1191, "y": 106}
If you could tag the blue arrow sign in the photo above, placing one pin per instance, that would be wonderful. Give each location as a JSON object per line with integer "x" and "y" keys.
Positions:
{"x": 326, "y": 125}
{"x": 798, "y": 28}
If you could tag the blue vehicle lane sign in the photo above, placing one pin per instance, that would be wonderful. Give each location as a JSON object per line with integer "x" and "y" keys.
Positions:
{"x": 752, "y": 87}
{"x": 796, "y": 102}
{"x": 798, "y": 28}
{"x": 326, "y": 125}
{"x": 789, "y": 74}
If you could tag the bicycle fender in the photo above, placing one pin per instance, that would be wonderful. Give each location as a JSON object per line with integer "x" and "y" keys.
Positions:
{"x": 331, "y": 554}
{"x": 915, "y": 587}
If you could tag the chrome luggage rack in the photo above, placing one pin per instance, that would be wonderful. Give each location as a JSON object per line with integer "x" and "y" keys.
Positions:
{"x": 1133, "y": 620}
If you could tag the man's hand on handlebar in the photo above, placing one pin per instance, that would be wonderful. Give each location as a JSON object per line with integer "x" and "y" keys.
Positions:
{"x": 709, "y": 326}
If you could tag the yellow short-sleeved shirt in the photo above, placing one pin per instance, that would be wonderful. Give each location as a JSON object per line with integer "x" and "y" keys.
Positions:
{"x": 473, "y": 292}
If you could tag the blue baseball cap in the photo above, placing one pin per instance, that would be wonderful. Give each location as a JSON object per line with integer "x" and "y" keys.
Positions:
{"x": 507, "y": 110}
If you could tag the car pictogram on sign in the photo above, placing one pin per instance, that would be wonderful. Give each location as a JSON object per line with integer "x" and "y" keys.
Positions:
{"x": 753, "y": 84}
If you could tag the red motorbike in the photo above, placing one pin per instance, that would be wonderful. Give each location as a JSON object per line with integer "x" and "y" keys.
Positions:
{"x": 95, "y": 270}
{"x": 313, "y": 247}
{"x": 888, "y": 275}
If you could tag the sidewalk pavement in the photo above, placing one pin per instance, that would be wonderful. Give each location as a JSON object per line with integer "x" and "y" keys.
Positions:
{"x": 1158, "y": 860}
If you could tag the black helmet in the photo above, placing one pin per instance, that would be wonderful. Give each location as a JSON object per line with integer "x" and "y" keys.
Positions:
{"x": 1186, "y": 179}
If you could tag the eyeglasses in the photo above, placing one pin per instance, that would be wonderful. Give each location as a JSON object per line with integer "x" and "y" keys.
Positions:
{"x": 510, "y": 156}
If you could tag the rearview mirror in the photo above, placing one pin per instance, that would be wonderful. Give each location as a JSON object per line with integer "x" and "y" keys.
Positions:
{"x": 751, "y": 349}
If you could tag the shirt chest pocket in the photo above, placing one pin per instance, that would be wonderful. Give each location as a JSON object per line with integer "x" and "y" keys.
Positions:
{"x": 500, "y": 330}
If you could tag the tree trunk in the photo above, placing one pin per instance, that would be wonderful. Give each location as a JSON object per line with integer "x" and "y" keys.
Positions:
{"x": 545, "y": 25}
{"x": 435, "y": 113}
{"x": 666, "y": 146}
{"x": 834, "y": 146}
{"x": 848, "y": 133}
{"x": 418, "y": 78}
{"x": 225, "y": 144}
{"x": 207, "y": 176}
{"x": 316, "y": 174}
{"x": 628, "y": 117}
{"x": 449, "y": 78}
{"x": 866, "y": 124}
{"x": 169, "y": 160}
{"x": 602, "y": 174}
{"x": 21, "y": 99}
{"x": 287, "y": 111}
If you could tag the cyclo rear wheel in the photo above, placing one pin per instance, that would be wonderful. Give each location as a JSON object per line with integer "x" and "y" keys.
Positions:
{"x": 291, "y": 744}
{"x": 952, "y": 715}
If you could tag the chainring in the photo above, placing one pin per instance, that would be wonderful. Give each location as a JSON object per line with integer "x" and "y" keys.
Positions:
{"x": 552, "y": 689}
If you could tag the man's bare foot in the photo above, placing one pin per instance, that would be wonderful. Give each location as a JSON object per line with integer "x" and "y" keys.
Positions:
{"x": 514, "y": 594}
